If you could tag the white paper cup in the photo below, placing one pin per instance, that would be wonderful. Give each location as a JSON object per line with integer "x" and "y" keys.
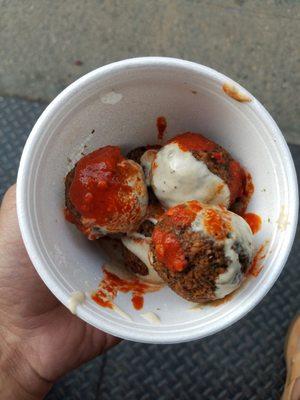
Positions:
{"x": 121, "y": 102}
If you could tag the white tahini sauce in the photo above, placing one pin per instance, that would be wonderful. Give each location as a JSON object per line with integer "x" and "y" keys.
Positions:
{"x": 179, "y": 177}
{"x": 241, "y": 233}
{"x": 151, "y": 317}
{"x": 75, "y": 299}
{"x": 196, "y": 307}
{"x": 282, "y": 221}
{"x": 120, "y": 312}
{"x": 139, "y": 245}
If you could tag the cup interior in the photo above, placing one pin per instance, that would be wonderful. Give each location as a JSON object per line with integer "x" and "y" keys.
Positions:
{"x": 118, "y": 104}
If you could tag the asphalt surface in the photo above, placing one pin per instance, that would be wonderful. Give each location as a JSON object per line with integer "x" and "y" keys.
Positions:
{"x": 47, "y": 44}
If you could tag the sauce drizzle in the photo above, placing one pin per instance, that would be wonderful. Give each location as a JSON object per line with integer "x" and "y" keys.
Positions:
{"x": 101, "y": 190}
{"x": 216, "y": 224}
{"x": 184, "y": 214}
{"x": 166, "y": 241}
{"x": 254, "y": 221}
{"x": 256, "y": 265}
{"x": 189, "y": 141}
{"x": 161, "y": 124}
{"x": 168, "y": 250}
{"x": 111, "y": 284}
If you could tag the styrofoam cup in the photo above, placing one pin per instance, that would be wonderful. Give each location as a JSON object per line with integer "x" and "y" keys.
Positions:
{"x": 121, "y": 102}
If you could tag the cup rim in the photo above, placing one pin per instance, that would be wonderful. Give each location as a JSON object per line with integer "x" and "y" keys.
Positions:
{"x": 22, "y": 200}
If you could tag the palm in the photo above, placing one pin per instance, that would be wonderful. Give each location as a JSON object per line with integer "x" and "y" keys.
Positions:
{"x": 50, "y": 337}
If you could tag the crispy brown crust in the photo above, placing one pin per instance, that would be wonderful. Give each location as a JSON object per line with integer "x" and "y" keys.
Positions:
{"x": 133, "y": 263}
{"x": 146, "y": 228}
{"x": 221, "y": 168}
{"x": 68, "y": 181}
{"x": 206, "y": 261}
{"x": 217, "y": 168}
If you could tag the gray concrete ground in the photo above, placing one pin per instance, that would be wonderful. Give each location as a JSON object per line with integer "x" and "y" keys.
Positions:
{"x": 46, "y": 44}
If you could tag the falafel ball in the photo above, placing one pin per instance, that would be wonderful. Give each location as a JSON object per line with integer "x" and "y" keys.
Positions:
{"x": 192, "y": 167}
{"x": 201, "y": 251}
{"x": 106, "y": 194}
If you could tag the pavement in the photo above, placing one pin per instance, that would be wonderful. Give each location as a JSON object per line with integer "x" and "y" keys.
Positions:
{"x": 47, "y": 44}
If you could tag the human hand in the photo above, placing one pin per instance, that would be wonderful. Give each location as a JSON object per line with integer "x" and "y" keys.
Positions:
{"x": 40, "y": 340}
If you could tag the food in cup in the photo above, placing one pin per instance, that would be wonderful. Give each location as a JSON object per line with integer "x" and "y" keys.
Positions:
{"x": 136, "y": 247}
{"x": 67, "y": 261}
{"x": 169, "y": 208}
{"x": 201, "y": 251}
{"x": 192, "y": 167}
{"x": 106, "y": 193}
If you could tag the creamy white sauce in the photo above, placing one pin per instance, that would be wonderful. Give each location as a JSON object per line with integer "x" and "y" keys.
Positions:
{"x": 151, "y": 317}
{"x": 231, "y": 279}
{"x": 179, "y": 177}
{"x": 120, "y": 312}
{"x": 139, "y": 245}
{"x": 283, "y": 220}
{"x": 146, "y": 162}
{"x": 75, "y": 299}
{"x": 196, "y": 307}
